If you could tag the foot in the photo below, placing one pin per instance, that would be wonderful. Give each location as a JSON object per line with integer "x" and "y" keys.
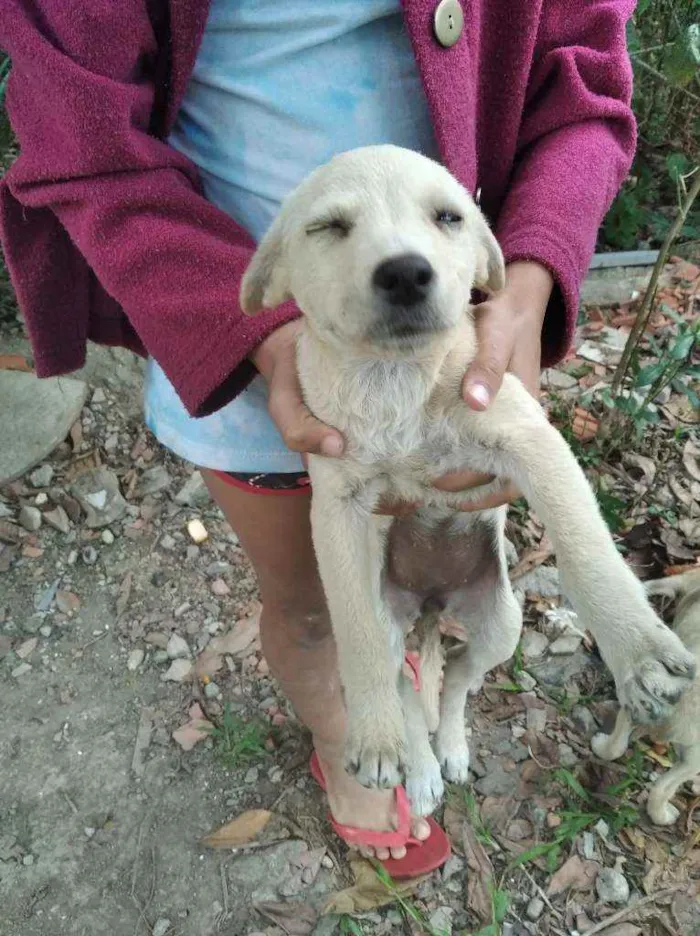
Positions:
{"x": 424, "y": 787}
{"x": 662, "y": 813}
{"x": 604, "y": 747}
{"x": 353, "y": 805}
{"x": 453, "y": 755}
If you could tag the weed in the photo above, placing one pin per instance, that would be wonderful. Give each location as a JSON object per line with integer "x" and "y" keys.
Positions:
{"x": 462, "y": 799}
{"x": 406, "y": 905}
{"x": 349, "y": 927}
{"x": 238, "y": 741}
{"x": 499, "y": 909}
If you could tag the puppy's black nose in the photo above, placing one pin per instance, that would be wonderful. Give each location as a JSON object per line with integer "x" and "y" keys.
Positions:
{"x": 404, "y": 280}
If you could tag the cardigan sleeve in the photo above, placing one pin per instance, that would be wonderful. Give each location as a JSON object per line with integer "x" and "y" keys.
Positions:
{"x": 80, "y": 100}
{"x": 575, "y": 147}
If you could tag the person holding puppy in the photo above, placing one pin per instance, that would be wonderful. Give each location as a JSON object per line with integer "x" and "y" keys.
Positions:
{"x": 157, "y": 141}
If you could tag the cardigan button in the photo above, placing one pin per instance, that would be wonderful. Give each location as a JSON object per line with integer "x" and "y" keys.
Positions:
{"x": 448, "y": 22}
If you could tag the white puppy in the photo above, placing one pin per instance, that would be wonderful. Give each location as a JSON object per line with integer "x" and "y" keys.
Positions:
{"x": 381, "y": 249}
{"x": 682, "y": 727}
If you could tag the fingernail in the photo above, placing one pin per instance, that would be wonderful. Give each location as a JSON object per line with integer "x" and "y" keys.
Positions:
{"x": 331, "y": 446}
{"x": 480, "y": 393}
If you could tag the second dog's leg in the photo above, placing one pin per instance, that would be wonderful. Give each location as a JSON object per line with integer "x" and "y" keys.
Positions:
{"x": 661, "y": 811}
{"x": 611, "y": 747}
{"x": 423, "y": 778}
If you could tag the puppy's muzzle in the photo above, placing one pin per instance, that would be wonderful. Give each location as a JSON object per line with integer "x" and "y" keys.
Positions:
{"x": 403, "y": 281}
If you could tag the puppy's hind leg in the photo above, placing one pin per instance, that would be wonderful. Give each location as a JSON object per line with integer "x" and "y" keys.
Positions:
{"x": 661, "y": 810}
{"x": 613, "y": 746}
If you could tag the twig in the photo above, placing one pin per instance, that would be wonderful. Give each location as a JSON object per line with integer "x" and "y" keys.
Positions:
{"x": 657, "y": 74}
{"x": 647, "y": 305}
{"x": 70, "y": 802}
{"x": 541, "y": 892}
{"x": 626, "y": 911}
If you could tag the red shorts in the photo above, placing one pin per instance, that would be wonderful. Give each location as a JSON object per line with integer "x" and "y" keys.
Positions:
{"x": 291, "y": 483}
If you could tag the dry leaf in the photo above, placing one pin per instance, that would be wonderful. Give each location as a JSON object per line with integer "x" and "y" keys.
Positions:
{"x": 296, "y": 919}
{"x": 531, "y": 559}
{"x": 208, "y": 664}
{"x": 15, "y": 362}
{"x": 239, "y": 831}
{"x": 194, "y": 730}
{"x": 480, "y": 880}
{"x": 124, "y": 593}
{"x": 453, "y": 820}
{"x": 576, "y": 873}
{"x": 621, "y": 929}
{"x": 239, "y": 639}
{"x": 368, "y": 891}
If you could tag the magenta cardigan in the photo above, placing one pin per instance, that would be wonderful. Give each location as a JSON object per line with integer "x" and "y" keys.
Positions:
{"x": 108, "y": 238}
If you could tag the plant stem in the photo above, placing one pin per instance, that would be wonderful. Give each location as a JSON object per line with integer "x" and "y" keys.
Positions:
{"x": 647, "y": 305}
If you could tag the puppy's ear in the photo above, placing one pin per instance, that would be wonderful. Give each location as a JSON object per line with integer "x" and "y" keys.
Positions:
{"x": 265, "y": 283}
{"x": 490, "y": 266}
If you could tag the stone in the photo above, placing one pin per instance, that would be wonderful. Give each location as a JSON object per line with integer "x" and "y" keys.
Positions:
{"x": 533, "y": 644}
{"x": 30, "y": 518}
{"x": 41, "y": 477}
{"x": 154, "y": 480}
{"x": 167, "y": 542}
{"x": 194, "y": 492}
{"x": 98, "y": 396}
{"x": 177, "y": 647}
{"x": 35, "y": 416}
{"x": 558, "y": 380}
{"x": 58, "y": 519}
{"x": 67, "y": 602}
{"x": 251, "y": 775}
{"x": 560, "y": 670}
{"x": 89, "y": 555}
{"x": 27, "y": 648}
{"x": 22, "y": 670}
{"x": 568, "y": 643}
{"x": 441, "y": 920}
{"x": 496, "y": 781}
{"x": 135, "y": 659}
{"x": 212, "y": 691}
{"x": 612, "y": 887}
{"x": 178, "y": 671}
{"x": 161, "y": 927}
{"x": 220, "y": 588}
{"x": 536, "y": 720}
{"x": 526, "y": 682}
{"x": 107, "y": 537}
{"x": 584, "y": 720}
{"x": 197, "y": 531}
{"x": 534, "y": 909}
{"x": 543, "y": 581}
{"x": 98, "y": 494}
{"x": 567, "y": 756}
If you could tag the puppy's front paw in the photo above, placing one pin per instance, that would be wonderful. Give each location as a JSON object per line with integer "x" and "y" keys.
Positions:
{"x": 603, "y": 747}
{"x": 454, "y": 760}
{"x": 663, "y": 670}
{"x": 425, "y": 788}
{"x": 375, "y": 760}
{"x": 662, "y": 813}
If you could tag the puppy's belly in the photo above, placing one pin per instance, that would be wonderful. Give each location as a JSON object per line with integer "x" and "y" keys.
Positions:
{"x": 434, "y": 558}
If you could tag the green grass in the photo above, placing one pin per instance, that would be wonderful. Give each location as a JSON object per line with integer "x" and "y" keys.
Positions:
{"x": 238, "y": 742}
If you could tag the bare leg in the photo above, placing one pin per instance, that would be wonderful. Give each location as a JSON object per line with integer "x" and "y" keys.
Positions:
{"x": 661, "y": 811}
{"x": 297, "y": 641}
{"x": 613, "y": 746}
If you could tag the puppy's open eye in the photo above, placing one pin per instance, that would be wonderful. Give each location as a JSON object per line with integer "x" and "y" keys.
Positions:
{"x": 340, "y": 227}
{"x": 448, "y": 218}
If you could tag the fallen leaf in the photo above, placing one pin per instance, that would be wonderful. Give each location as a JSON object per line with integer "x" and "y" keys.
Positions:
{"x": 239, "y": 638}
{"x": 480, "y": 880}
{"x": 621, "y": 929}
{"x": 453, "y": 820}
{"x": 239, "y": 831}
{"x": 675, "y": 546}
{"x": 196, "y": 729}
{"x": 305, "y": 866}
{"x": 295, "y": 919}
{"x": 16, "y": 362}
{"x": 576, "y": 873}
{"x": 124, "y": 593}
{"x": 646, "y": 465}
{"x": 368, "y": 891}
{"x": 691, "y": 459}
{"x": 208, "y": 664}
{"x": 532, "y": 558}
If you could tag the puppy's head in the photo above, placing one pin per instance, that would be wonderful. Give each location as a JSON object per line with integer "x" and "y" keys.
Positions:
{"x": 380, "y": 248}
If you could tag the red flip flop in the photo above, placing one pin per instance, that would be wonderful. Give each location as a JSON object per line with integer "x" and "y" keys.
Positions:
{"x": 421, "y": 856}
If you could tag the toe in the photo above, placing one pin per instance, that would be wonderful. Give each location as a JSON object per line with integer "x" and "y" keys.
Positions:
{"x": 382, "y": 853}
{"x": 420, "y": 829}
{"x": 398, "y": 853}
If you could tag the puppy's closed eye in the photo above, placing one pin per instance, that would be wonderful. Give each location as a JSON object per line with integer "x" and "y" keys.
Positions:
{"x": 446, "y": 217}
{"x": 336, "y": 225}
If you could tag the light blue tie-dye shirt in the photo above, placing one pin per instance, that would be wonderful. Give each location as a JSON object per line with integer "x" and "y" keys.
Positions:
{"x": 278, "y": 88}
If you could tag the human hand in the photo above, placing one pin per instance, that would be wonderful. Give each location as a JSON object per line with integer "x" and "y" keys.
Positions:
{"x": 509, "y": 329}
{"x": 275, "y": 358}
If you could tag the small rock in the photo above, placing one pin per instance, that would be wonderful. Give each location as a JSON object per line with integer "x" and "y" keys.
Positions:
{"x": 543, "y": 581}
{"x": 41, "y": 477}
{"x": 135, "y": 659}
{"x": 212, "y": 691}
{"x": 161, "y": 927}
{"x": 567, "y": 756}
{"x": 67, "y": 602}
{"x": 562, "y": 646}
{"x": 327, "y": 862}
{"x": 58, "y": 519}
{"x": 526, "y": 682}
{"x": 217, "y": 569}
{"x": 536, "y": 720}
{"x": 28, "y": 860}
{"x": 534, "y": 909}
{"x": 160, "y": 656}
{"x": 452, "y": 866}
{"x": 441, "y": 920}
{"x": 22, "y": 670}
{"x": 220, "y": 588}
{"x": 612, "y": 887}
{"x": 194, "y": 492}
{"x": 89, "y": 555}
{"x": 41, "y": 499}
{"x": 107, "y": 537}
{"x": 99, "y": 396}
{"x": 252, "y": 775}
{"x": 178, "y": 671}
{"x": 157, "y": 639}
{"x": 30, "y": 518}
{"x": 275, "y": 775}
{"x": 27, "y": 648}
{"x": 45, "y": 598}
{"x": 602, "y": 828}
{"x": 153, "y": 481}
{"x": 588, "y": 845}
{"x": 89, "y": 832}
{"x": 496, "y": 782}
{"x": 558, "y": 379}
{"x": 167, "y": 542}
{"x": 197, "y": 531}
{"x": 584, "y": 720}
{"x": 177, "y": 647}
{"x": 98, "y": 494}
{"x": 46, "y": 630}
{"x": 533, "y": 644}
{"x": 192, "y": 552}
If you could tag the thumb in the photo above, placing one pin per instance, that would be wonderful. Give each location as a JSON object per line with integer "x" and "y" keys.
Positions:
{"x": 300, "y": 429}
{"x": 485, "y": 373}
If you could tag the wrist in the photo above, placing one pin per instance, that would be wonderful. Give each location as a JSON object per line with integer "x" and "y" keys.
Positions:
{"x": 529, "y": 287}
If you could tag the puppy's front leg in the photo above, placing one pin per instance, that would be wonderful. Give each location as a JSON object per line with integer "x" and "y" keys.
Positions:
{"x": 650, "y": 664}
{"x": 349, "y": 544}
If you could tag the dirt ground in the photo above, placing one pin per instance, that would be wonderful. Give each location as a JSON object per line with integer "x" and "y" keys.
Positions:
{"x": 114, "y": 623}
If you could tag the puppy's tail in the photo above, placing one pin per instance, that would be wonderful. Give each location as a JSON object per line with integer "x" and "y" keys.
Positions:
{"x": 674, "y": 586}
{"x": 431, "y": 662}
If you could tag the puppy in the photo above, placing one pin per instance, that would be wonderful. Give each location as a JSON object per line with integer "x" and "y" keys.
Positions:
{"x": 682, "y": 726}
{"x": 381, "y": 249}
